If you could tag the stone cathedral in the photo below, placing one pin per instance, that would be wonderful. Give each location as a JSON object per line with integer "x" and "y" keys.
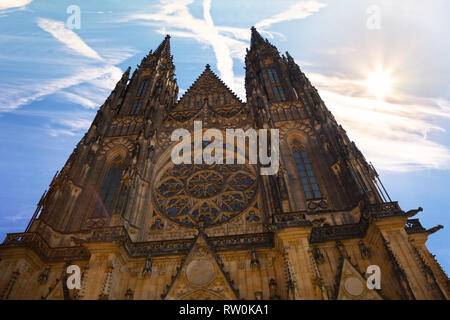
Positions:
{"x": 139, "y": 226}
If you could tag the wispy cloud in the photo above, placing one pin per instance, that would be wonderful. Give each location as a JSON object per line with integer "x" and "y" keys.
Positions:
{"x": 12, "y": 98}
{"x": 13, "y": 4}
{"x": 70, "y": 127}
{"x": 296, "y": 11}
{"x": 227, "y": 42}
{"x": 100, "y": 75}
{"x": 69, "y": 38}
{"x": 393, "y": 134}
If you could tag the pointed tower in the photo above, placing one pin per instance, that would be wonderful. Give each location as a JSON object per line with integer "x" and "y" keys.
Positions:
{"x": 324, "y": 186}
{"x": 109, "y": 164}
{"x": 140, "y": 225}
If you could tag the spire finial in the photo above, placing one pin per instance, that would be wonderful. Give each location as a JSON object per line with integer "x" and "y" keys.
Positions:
{"x": 163, "y": 49}
{"x": 256, "y": 38}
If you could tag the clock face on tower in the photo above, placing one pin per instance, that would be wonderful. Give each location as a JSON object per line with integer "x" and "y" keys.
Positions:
{"x": 205, "y": 194}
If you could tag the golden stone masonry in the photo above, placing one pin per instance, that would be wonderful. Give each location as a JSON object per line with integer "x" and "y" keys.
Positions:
{"x": 141, "y": 227}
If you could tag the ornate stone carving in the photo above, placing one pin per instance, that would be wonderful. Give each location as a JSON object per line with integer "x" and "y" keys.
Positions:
{"x": 273, "y": 288}
{"x": 338, "y": 232}
{"x": 147, "y": 270}
{"x": 43, "y": 277}
{"x": 39, "y": 245}
{"x": 254, "y": 262}
{"x": 188, "y": 194}
{"x": 318, "y": 256}
{"x": 129, "y": 294}
{"x": 363, "y": 250}
{"x": 9, "y": 287}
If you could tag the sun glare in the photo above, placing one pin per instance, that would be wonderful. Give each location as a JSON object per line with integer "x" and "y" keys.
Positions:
{"x": 379, "y": 83}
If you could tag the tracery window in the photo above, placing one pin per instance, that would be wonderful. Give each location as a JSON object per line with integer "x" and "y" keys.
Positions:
{"x": 143, "y": 87}
{"x": 136, "y": 109}
{"x": 109, "y": 188}
{"x": 309, "y": 182}
{"x": 279, "y": 93}
{"x": 273, "y": 76}
{"x": 209, "y": 194}
{"x": 261, "y": 78}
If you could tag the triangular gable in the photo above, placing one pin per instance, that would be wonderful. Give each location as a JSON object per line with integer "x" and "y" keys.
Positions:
{"x": 208, "y": 83}
{"x": 352, "y": 285}
{"x": 201, "y": 276}
{"x": 58, "y": 291}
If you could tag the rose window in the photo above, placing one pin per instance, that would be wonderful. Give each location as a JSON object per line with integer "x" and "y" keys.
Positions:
{"x": 211, "y": 194}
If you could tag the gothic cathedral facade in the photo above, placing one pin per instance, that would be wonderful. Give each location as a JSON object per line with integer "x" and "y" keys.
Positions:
{"x": 139, "y": 226}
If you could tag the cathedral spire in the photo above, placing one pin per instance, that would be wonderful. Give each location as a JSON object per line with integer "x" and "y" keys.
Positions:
{"x": 256, "y": 38}
{"x": 125, "y": 76}
{"x": 163, "y": 49}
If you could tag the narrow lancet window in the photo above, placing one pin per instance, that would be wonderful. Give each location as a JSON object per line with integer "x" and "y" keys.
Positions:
{"x": 307, "y": 177}
{"x": 273, "y": 76}
{"x": 110, "y": 186}
{"x": 143, "y": 88}
{"x": 136, "y": 109}
{"x": 279, "y": 93}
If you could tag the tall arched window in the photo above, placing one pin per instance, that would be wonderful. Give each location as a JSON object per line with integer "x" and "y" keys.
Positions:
{"x": 307, "y": 177}
{"x": 136, "y": 109}
{"x": 109, "y": 188}
{"x": 143, "y": 87}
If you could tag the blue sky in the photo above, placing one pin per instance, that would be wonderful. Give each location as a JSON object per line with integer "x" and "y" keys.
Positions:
{"x": 53, "y": 79}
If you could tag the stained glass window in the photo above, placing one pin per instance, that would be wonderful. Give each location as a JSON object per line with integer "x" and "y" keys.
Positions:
{"x": 143, "y": 88}
{"x": 273, "y": 76}
{"x": 261, "y": 78}
{"x": 279, "y": 93}
{"x": 136, "y": 107}
{"x": 107, "y": 192}
{"x": 307, "y": 177}
{"x": 211, "y": 194}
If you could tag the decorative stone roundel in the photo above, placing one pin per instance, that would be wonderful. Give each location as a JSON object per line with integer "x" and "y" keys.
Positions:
{"x": 200, "y": 272}
{"x": 208, "y": 194}
{"x": 353, "y": 286}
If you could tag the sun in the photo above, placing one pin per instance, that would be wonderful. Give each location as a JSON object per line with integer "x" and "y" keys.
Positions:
{"x": 379, "y": 83}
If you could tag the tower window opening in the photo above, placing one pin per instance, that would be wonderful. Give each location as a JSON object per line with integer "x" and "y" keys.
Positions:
{"x": 143, "y": 88}
{"x": 136, "y": 107}
{"x": 108, "y": 191}
{"x": 307, "y": 177}
{"x": 273, "y": 76}
{"x": 261, "y": 78}
{"x": 279, "y": 93}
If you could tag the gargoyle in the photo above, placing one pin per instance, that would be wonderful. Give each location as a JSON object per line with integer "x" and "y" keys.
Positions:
{"x": 412, "y": 213}
{"x": 435, "y": 229}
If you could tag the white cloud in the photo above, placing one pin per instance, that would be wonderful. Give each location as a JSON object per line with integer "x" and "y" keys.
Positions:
{"x": 77, "y": 124}
{"x": 298, "y": 10}
{"x": 70, "y": 126}
{"x": 394, "y": 135}
{"x": 60, "y": 132}
{"x": 13, "y": 98}
{"x": 100, "y": 79}
{"x": 66, "y": 36}
{"x": 227, "y": 42}
{"x": 12, "y": 4}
